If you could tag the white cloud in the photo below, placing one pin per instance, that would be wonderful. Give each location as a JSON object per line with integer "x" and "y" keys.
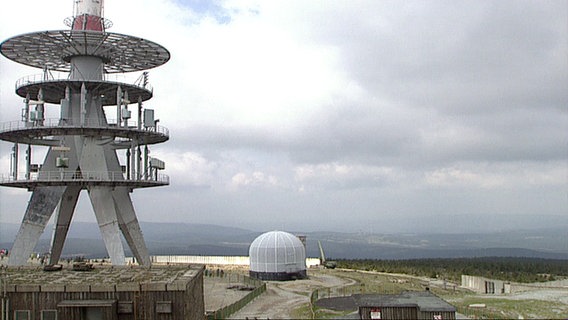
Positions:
{"x": 254, "y": 179}
{"x": 344, "y": 176}
{"x": 499, "y": 176}
{"x": 190, "y": 168}
{"x": 406, "y": 104}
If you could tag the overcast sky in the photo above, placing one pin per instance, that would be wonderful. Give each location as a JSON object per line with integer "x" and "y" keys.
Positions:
{"x": 340, "y": 115}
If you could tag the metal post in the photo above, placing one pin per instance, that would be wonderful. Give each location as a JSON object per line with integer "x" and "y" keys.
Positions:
{"x": 14, "y": 162}
{"x": 125, "y": 102}
{"x": 40, "y": 108}
{"x": 65, "y": 114}
{"x": 133, "y": 160}
{"x": 146, "y": 151}
{"x": 127, "y": 164}
{"x": 28, "y": 161}
{"x": 138, "y": 162}
{"x": 118, "y": 105}
{"x": 26, "y": 115}
{"x": 139, "y": 112}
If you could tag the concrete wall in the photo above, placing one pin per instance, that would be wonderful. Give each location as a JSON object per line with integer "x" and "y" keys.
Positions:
{"x": 216, "y": 260}
{"x": 484, "y": 285}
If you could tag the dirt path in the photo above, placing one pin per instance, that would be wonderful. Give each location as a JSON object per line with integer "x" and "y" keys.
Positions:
{"x": 219, "y": 293}
{"x": 281, "y": 298}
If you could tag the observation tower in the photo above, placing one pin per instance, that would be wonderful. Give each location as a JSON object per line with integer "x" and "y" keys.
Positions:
{"x": 100, "y": 141}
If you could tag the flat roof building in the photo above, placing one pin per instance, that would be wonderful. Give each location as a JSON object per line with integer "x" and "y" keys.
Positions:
{"x": 106, "y": 293}
{"x": 407, "y": 305}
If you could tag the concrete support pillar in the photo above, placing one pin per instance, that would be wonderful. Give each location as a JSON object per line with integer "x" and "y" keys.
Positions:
{"x": 62, "y": 221}
{"x": 107, "y": 219}
{"x": 102, "y": 158}
{"x": 129, "y": 225}
{"x": 40, "y": 208}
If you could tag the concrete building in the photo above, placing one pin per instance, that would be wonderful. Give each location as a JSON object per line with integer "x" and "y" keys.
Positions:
{"x": 484, "y": 285}
{"x": 277, "y": 255}
{"x": 104, "y": 293}
{"x": 86, "y": 149}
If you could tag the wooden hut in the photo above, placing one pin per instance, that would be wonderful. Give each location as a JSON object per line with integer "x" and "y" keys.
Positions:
{"x": 407, "y": 305}
{"x": 106, "y": 293}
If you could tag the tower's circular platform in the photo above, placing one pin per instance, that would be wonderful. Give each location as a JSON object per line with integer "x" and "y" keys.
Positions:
{"x": 19, "y": 132}
{"x": 54, "y": 49}
{"x": 54, "y": 89}
{"x": 84, "y": 180}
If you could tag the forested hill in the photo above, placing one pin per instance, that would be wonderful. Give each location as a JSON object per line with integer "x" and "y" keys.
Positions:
{"x": 198, "y": 239}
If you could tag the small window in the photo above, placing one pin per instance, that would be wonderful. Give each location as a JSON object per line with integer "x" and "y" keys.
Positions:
{"x": 49, "y": 315}
{"x": 163, "y": 306}
{"x": 125, "y": 307}
{"x": 22, "y": 315}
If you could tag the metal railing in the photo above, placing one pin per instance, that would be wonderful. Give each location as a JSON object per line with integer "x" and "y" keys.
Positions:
{"x": 89, "y": 123}
{"x": 62, "y": 76}
{"x": 84, "y": 176}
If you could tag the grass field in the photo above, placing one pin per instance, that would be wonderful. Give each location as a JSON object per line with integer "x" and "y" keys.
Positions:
{"x": 504, "y": 308}
{"x": 496, "y": 307}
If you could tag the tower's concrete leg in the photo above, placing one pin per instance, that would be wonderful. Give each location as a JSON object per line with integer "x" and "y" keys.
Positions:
{"x": 129, "y": 226}
{"x": 40, "y": 208}
{"x": 64, "y": 215}
{"x": 103, "y": 205}
{"x": 93, "y": 158}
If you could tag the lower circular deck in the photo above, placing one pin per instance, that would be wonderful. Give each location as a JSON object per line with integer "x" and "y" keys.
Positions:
{"x": 84, "y": 180}
{"x": 23, "y": 132}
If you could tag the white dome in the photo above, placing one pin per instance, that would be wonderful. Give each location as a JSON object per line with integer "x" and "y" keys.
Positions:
{"x": 277, "y": 252}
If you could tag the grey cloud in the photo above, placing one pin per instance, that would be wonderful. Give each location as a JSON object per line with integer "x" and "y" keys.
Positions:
{"x": 459, "y": 107}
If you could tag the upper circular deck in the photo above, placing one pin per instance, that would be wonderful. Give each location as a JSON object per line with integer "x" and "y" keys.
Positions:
{"x": 54, "y": 49}
{"x": 54, "y": 89}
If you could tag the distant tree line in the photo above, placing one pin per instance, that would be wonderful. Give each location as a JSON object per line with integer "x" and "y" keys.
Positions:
{"x": 524, "y": 270}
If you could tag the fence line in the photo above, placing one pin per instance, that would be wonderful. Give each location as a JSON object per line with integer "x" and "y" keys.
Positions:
{"x": 225, "y": 312}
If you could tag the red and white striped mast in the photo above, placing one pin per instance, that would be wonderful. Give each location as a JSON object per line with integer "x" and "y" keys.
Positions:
{"x": 88, "y": 15}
